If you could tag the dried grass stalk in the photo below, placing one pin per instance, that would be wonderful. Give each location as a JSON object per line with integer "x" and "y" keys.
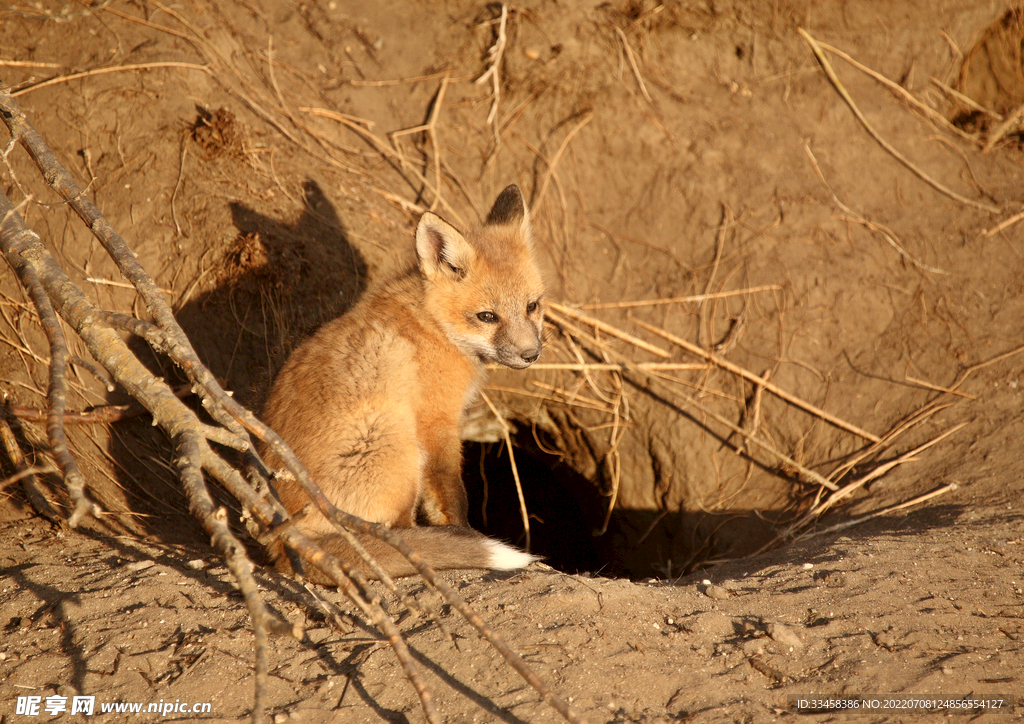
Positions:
{"x": 757, "y": 380}
{"x": 647, "y": 382}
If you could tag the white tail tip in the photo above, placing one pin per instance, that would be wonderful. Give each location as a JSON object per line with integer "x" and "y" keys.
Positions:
{"x": 506, "y": 558}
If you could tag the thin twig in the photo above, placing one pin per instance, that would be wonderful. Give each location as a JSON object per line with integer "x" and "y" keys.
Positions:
{"x": 120, "y": 285}
{"x": 942, "y": 490}
{"x": 723, "y": 225}
{"x": 751, "y": 418}
{"x": 819, "y": 53}
{"x": 608, "y": 329}
{"x": 613, "y": 462}
{"x": 611, "y": 366}
{"x": 1003, "y": 225}
{"x": 1012, "y": 123}
{"x": 494, "y": 55}
{"x": 25, "y": 473}
{"x": 21, "y": 474}
{"x": 681, "y": 300}
{"x": 750, "y": 376}
{"x": 273, "y": 83}
{"x": 115, "y": 69}
{"x": 104, "y": 414}
{"x": 962, "y": 377}
{"x": 902, "y": 93}
{"x": 515, "y": 470}
{"x": 27, "y": 64}
{"x": 884, "y": 231}
{"x": 430, "y": 127}
{"x": 182, "y": 155}
{"x": 586, "y": 375}
{"x": 850, "y": 488}
{"x": 938, "y": 388}
{"x": 575, "y": 397}
{"x": 558, "y": 155}
{"x": 403, "y": 81}
{"x": 571, "y": 400}
{"x": 916, "y": 418}
{"x": 966, "y": 100}
{"x": 633, "y": 65}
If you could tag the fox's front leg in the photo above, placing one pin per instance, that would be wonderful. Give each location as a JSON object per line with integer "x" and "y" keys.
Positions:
{"x": 444, "y": 494}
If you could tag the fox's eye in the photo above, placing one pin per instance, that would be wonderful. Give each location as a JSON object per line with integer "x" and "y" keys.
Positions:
{"x": 531, "y": 307}
{"x": 455, "y": 269}
{"x": 488, "y": 317}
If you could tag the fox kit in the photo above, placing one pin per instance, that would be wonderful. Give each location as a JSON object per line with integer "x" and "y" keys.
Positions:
{"x": 372, "y": 403}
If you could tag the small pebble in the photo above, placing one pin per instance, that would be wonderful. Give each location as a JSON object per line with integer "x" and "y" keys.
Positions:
{"x": 140, "y": 566}
{"x": 885, "y": 640}
{"x": 717, "y": 592}
{"x": 784, "y": 635}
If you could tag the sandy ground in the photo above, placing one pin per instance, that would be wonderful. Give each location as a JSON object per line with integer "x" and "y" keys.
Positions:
{"x": 248, "y": 152}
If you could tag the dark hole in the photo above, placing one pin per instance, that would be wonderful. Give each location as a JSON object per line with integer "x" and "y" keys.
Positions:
{"x": 564, "y": 507}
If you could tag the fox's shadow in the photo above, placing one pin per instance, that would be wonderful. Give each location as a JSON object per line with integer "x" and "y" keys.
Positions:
{"x": 274, "y": 284}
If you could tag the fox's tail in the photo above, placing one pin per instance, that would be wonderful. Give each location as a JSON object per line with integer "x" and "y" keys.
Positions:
{"x": 442, "y": 547}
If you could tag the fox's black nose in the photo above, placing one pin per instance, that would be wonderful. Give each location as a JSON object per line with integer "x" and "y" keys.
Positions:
{"x": 530, "y": 356}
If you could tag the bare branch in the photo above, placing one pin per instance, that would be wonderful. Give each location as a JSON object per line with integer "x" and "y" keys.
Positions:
{"x": 342, "y": 519}
{"x": 350, "y": 581}
{"x": 26, "y": 474}
{"x": 97, "y": 329}
{"x": 214, "y": 520}
{"x": 18, "y": 244}
{"x": 34, "y": 263}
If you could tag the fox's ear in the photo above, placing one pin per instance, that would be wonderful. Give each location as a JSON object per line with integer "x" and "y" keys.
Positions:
{"x": 508, "y": 208}
{"x": 441, "y": 248}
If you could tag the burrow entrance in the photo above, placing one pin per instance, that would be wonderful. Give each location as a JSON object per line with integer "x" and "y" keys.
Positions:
{"x": 567, "y": 514}
{"x": 562, "y": 504}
